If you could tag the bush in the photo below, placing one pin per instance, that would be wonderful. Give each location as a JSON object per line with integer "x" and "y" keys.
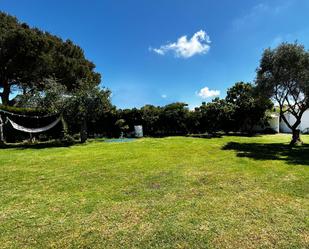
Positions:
{"x": 68, "y": 140}
{"x": 269, "y": 131}
{"x": 76, "y": 136}
{"x": 22, "y": 111}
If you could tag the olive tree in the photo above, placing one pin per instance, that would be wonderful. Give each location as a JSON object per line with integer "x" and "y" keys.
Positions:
{"x": 84, "y": 104}
{"x": 283, "y": 75}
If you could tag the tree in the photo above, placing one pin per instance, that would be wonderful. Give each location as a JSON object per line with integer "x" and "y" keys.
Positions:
{"x": 83, "y": 105}
{"x": 249, "y": 107}
{"x": 193, "y": 121}
{"x": 173, "y": 118}
{"x": 131, "y": 116}
{"x": 216, "y": 116}
{"x": 53, "y": 99}
{"x": 283, "y": 75}
{"x": 28, "y": 55}
{"x": 121, "y": 126}
{"x": 150, "y": 119}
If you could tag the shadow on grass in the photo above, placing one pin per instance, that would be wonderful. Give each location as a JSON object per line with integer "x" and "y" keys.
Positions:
{"x": 40, "y": 145}
{"x": 273, "y": 151}
{"x": 243, "y": 134}
{"x": 222, "y": 134}
{"x": 209, "y": 136}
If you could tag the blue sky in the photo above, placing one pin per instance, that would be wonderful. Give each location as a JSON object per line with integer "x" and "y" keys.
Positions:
{"x": 140, "y": 48}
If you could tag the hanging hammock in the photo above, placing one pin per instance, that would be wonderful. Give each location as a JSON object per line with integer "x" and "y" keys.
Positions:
{"x": 34, "y": 130}
{"x": 27, "y": 116}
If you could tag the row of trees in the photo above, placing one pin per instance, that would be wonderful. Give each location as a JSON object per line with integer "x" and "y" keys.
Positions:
{"x": 90, "y": 109}
{"x": 241, "y": 110}
{"x": 282, "y": 79}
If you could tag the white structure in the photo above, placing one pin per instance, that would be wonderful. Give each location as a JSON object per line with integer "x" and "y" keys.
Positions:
{"x": 138, "y": 131}
{"x": 280, "y": 126}
{"x": 303, "y": 127}
{"x": 274, "y": 124}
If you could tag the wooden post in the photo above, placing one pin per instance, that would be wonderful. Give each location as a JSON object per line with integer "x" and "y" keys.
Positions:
{"x": 64, "y": 127}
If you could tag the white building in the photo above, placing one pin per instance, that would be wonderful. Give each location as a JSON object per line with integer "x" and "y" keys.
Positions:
{"x": 303, "y": 127}
{"x": 280, "y": 126}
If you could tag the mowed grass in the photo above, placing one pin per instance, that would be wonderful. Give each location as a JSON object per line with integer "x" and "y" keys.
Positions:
{"x": 175, "y": 192}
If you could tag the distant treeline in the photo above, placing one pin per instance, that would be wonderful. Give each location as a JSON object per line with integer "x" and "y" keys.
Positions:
{"x": 240, "y": 111}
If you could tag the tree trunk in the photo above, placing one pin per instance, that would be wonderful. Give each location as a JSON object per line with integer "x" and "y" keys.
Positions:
{"x": 5, "y": 95}
{"x": 295, "y": 137}
{"x": 83, "y": 131}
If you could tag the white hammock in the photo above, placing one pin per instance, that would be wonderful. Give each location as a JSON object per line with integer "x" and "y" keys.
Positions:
{"x": 34, "y": 130}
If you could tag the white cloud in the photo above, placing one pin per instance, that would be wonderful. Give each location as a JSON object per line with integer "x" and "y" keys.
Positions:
{"x": 205, "y": 93}
{"x": 163, "y": 96}
{"x": 199, "y": 43}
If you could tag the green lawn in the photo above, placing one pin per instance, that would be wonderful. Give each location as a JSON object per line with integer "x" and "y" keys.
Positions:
{"x": 177, "y": 192}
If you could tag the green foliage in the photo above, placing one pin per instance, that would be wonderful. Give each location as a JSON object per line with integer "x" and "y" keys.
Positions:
{"x": 91, "y": 109}
{"x": 216, "y": 116}
{"x": 87, "y": 104}
{"x": 79, "y": 107}
{"x": 249, "y": 107}
{"x": 193, "y": 122}
{"x": 150, "y": 119}
{"x": 167, "y": 120}
{"x": 130, "y": 116}
{"x": 283, "y": 75}
{"x": 240, "y": 111}
{"x": 51, "y": 99}
{"x": 67, "y": 140}
{"x": 29, "y": 55}
{"x": 121, "y": 125}
{"x": 23, "y": 111}
{"x": 173, "y": 118}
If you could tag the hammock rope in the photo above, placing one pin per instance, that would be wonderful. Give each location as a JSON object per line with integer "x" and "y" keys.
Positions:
{"x": 26, "y": 116}
{"x": 34, "y": 130}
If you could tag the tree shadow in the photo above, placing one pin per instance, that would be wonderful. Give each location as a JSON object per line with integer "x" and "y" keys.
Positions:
{"x": 273, "y": 151}
{"x": 206, "y": 135}
{"x": 40, "y": 145}
{"x": 223, "y": 134}
{"x": 242, "y": 134}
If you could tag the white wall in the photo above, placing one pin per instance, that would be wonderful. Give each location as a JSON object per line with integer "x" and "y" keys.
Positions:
{"x": 291, "y": 119}
{"x": 273, "y": 122}
{"x": 305, "y": 121}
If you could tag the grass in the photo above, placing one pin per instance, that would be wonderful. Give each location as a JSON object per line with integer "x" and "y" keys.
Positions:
{"x": 176, "y": 192}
